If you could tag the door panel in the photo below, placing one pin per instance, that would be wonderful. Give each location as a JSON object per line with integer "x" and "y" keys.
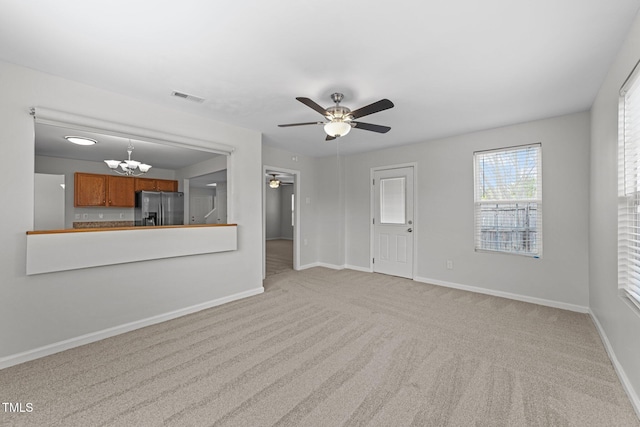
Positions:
{"x": 393, "y": 222}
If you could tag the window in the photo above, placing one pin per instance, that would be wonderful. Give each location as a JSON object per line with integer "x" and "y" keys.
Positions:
{"x": 508, "y": 200}
{"x": 392, "y": 200}
{"x": 629, "y": 188}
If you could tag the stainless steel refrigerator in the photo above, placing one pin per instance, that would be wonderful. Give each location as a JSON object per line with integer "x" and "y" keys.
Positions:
{"x": 159, "y": 208}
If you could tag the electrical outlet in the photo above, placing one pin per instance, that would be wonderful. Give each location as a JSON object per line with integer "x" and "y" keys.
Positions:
{"x": 449, "y": 264}
{"x": 85, "y": 216}
{"x": 101, "y": 215}
{"x": 77, "y": 216}
{"x": 121, "y": 215}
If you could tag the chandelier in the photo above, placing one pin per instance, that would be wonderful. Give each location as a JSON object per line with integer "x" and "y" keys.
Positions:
{"x": 128, "y": 166}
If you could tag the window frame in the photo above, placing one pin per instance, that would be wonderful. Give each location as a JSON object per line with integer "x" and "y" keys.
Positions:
{"x": 629, "y": 200}
{"x": 537, "y": 200}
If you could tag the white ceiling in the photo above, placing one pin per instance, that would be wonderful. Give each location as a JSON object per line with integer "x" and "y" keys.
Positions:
{"x": 449, "y": 67}
{"x": 50, "y": 141}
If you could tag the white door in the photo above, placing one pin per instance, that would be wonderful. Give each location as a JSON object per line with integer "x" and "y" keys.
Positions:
{"x": 393, "y": 222}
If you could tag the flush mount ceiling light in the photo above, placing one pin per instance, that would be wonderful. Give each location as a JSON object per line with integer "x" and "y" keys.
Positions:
{"x": 128, "y": 166}
{"x": 213, "y": 184}
{"x": 273, "y": 182}
{"x": 80, "y": 140}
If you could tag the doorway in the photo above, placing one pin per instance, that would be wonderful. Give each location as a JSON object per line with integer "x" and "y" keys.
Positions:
{"x": 393, "y": 221}
{"x": 280, "y": 220}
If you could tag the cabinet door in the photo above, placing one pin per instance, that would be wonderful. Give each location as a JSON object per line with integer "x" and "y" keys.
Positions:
{"x": 89, "y": 189}
{"x": 120, "y": 192}
{"x": 144, "y": 184}
{"x": 166, "y": 185}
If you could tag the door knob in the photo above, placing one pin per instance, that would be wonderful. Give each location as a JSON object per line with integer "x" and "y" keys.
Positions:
{"x": 409, "y": 230}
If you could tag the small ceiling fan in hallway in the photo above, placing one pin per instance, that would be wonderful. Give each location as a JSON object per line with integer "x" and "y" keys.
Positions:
{"x": 341, "y": 119}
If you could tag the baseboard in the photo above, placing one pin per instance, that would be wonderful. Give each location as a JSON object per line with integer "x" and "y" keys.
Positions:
{"x": 626, "y": 384}
{"x": 307, "y": 266}
{"x": 47, "y": 350}
{"x": 357, "y": 268}
{"x": 321, "y": 264}
{"x": 517, "y": 297}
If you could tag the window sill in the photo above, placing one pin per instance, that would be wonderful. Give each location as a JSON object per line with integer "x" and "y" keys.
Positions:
{"x": 488, "y": 251}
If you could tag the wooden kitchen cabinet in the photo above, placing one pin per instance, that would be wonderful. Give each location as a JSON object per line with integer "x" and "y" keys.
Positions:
{"x": 149, "y": 184}
{"x": 90, "y": 189}
{"x": 120, "y": 192}
{"x": 166, "y": 185}
{"x": 103, "y": 190}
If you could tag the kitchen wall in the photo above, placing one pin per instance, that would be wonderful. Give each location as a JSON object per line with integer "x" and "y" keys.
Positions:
{"x": 49, "y": 309}
{"x": 618, "y": 320}
{"x": 67, "y": 167}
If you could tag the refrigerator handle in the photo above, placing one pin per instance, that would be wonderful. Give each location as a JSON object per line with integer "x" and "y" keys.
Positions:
{"x": 161, "y": 213}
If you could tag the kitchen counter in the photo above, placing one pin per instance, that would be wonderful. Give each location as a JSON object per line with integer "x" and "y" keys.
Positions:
{"x": 94, "y": 226}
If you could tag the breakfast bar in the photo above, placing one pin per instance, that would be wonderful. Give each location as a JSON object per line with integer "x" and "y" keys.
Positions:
{"x": 70, "y": 249}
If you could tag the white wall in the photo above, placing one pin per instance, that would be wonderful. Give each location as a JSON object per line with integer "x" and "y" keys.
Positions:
{"x": 48, "y": 202}
{"x": 445, "y": 211}
{"x": 44, "y": 309}
{"x": 619, "y": 322}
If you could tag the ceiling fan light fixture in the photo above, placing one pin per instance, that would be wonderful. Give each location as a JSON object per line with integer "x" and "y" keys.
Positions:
{"x": 337, "y": 128}
{"x": 274, "y": 182}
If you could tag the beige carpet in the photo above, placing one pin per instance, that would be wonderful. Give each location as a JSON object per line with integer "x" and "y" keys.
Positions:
{"x": 334, "y": 348}
{"x": 279, "y": 256}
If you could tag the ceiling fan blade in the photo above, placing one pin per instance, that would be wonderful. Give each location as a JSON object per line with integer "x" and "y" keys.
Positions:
{"x": 301, "y": 124}
{"x": 383, "y": 104}
{"x": 373, "y": 128}
{"x": 329, "y": 138}
{"x": 311, "y": 104}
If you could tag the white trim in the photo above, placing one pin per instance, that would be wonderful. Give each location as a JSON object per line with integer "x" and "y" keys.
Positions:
{"x": 47, "y": 350}
{"x": 626, "y": 384}
{"x": 357, "y": 268}
{"x": 509, "y": 295}
{"x": 308, "y": 266}
{"x": 296, "y": 227}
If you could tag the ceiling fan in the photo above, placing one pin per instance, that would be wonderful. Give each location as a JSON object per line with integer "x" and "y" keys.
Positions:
{"x": 274, "y": 182}
{"x": 341, "y": 119}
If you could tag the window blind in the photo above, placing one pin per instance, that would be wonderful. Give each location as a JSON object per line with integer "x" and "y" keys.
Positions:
{"x": 508, "y": 200}
{"x": 629, "y": 188}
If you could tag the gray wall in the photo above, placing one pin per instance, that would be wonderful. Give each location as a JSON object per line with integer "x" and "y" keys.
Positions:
{"x": 40, "y": 310}
{"x": 286, "y": 229}
{"x": 445, "y": 210}
{"x": 273, "y": 210}
{"x": 619, "y": 321}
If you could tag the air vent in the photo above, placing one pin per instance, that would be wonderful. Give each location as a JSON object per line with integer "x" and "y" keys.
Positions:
{"x": 187, "y": 96}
